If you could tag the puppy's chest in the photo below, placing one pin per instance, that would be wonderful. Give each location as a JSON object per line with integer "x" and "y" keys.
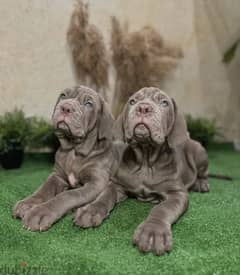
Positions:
{"x": 73, "y": 166}
{"x": 144, "y": 182}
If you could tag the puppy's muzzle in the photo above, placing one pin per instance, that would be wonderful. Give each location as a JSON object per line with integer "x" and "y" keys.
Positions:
{"x": 144, "y": 109}
{"x": 141, "y": 131}
{"x": 63, "y": 125}
{"x": 66, "y": 109}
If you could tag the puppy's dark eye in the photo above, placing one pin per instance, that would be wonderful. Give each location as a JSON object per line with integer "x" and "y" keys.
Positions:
{"x": 62, "y": 95}
{"x": 132, "y": 101}
{"x": 164, "y": 103}
{"x": 88, "y": 103}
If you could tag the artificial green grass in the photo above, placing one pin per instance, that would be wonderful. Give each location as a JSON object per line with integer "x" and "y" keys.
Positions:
{"x": 206, "y": 239}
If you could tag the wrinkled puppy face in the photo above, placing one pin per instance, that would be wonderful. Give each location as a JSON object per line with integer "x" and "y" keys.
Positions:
{"x": 149, "y": 116}
{"x": 75, "y": 113}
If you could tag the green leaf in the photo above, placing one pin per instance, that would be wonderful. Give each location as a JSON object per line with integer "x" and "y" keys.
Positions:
{"x": 202, "y": 129}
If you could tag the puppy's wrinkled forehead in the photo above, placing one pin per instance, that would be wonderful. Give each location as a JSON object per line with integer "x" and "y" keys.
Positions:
{"x": 151, "y": 93}
{"x": 81, "y": 93}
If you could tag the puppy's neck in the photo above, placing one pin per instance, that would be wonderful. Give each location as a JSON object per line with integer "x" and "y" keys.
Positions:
{"x": 148, "y": 154}
{"x": 81, "y": 146}
{"x": 87, "y": 144}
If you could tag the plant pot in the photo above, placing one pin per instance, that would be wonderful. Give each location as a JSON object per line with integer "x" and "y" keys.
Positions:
{"x": 12, "y": 157}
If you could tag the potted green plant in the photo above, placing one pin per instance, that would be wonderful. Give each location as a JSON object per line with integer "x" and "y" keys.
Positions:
{"x": 14, "y": 130}
{"x": 42, "y": 135}
{"x": 202, "y": 129}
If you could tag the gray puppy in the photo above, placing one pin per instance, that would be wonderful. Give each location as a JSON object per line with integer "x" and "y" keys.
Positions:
{"x": 82, "y": 163}
{"x": 157, "y": 162}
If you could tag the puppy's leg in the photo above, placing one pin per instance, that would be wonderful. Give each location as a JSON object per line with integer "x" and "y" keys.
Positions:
{"x": 93, "y": 214}
{"x": 201, "y": 162}
{"x": 53, "y": 186}
{"x": 154, "y": 234}
{"x": 42, "y": 216}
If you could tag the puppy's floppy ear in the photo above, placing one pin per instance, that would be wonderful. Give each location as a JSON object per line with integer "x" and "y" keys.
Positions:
{"x": 120, "y": 126}
{"x": 178, "y": 133}
{"x": 105, "y": 122}
{"x": 118, "y": 129}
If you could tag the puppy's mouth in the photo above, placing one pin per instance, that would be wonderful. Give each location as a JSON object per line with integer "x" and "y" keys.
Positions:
{"x": 64, "y": 131}
{"x": 62, "y": 125}
{"x": 141, "y": 131}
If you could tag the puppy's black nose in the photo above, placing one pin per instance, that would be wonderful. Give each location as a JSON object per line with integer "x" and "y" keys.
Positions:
{"x": 66, "y": 109}
{"x": 144, "y": 108}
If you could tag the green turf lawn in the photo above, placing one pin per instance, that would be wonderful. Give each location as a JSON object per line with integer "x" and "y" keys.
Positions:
{"x": 206, "y": 239}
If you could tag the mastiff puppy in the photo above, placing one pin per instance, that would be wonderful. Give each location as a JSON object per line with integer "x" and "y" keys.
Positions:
{"x": 82, "y": 164}
{"x": 158, "y": 163}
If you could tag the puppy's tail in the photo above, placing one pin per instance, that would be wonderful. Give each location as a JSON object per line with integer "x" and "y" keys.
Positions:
{"x": 221, "y": 177}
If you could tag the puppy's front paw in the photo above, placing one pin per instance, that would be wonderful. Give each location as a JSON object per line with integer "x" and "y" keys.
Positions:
{"x": 90, "y": 215}
{"x": 39, "y": 218}
{"x": 23, "y": 206}
{"x": 153, "y": 237}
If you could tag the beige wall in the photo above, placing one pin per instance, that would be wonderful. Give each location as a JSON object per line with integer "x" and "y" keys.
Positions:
{"x": 35, "y": 63}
